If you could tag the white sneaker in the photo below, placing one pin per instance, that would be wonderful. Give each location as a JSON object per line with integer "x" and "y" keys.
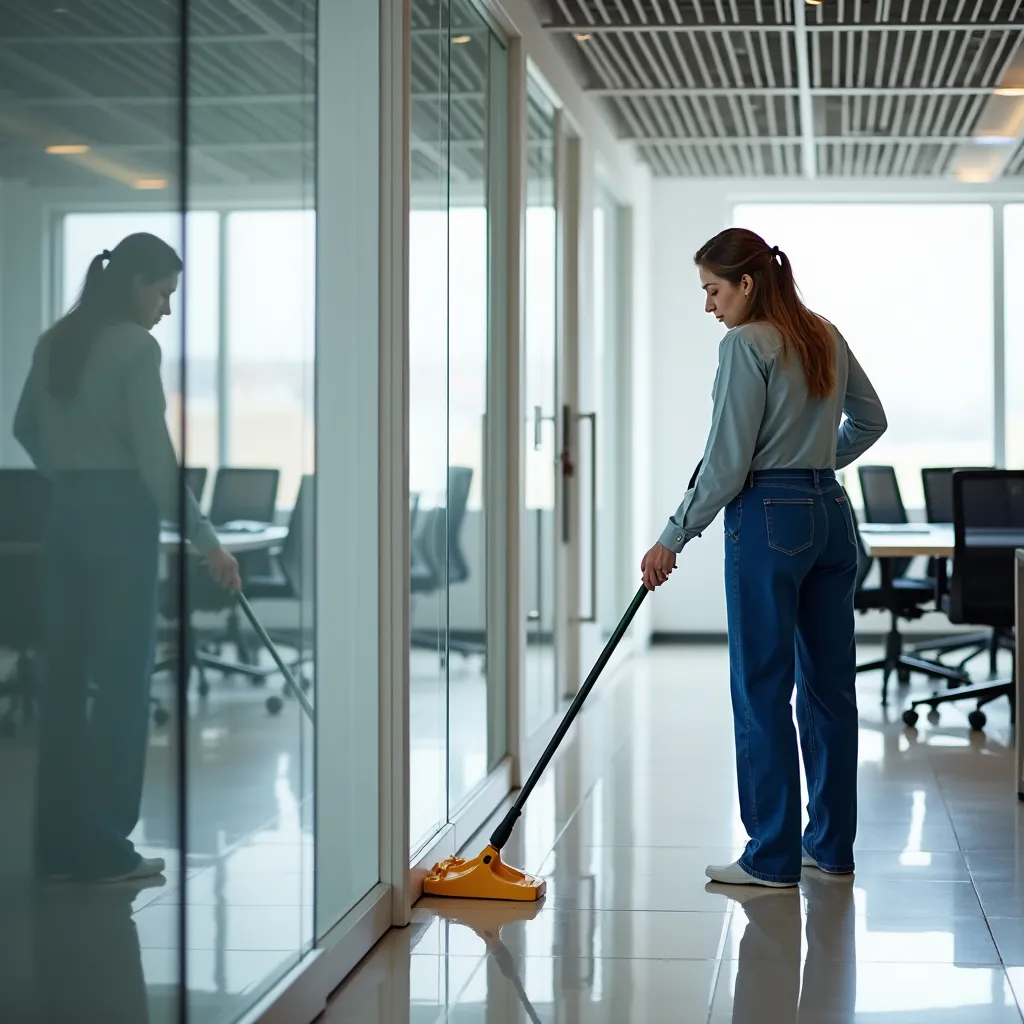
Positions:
{"x": 147, "y": 867}
{"x": 735, "y": 874}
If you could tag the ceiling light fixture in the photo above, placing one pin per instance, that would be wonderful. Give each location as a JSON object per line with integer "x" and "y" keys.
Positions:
{"x": 1009, "y": 90}
{"x": 68, "y": 149}
{"x": 461, "y": 40}
{"x": 814, "y": 3}
{"x": 149, "y": 184}
{"x": 582, "y": 37}
{"x": 994, "y": 140}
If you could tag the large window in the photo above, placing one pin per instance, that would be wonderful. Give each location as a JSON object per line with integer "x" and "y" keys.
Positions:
{"x": 910, "y": 287}
{"x": 1013, "y": 275}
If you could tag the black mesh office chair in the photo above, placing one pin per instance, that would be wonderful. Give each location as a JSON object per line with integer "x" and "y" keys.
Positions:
{"x": 24, "y": 501}
{"x": 988, "y": 527}
{"x": 938, "y": 502}
{"x": 883, "y": 503}
{"x": 903, "y": 598}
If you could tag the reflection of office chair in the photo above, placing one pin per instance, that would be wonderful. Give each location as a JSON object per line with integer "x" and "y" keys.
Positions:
{"x": 241, "y": 496}
{"x": 938, "y": 502}
{"x": 24, "y": 500}
{"x": 439, "y": 562}
{"x": 988, "y": 527}
{"x": 195, "y": 480}
{"x": 294, "y": 579}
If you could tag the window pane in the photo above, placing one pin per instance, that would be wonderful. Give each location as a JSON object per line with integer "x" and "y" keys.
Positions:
{"x": 908, "y": 315}
{"x": 1013, "y": 298}
{"x": 270, "y": 298}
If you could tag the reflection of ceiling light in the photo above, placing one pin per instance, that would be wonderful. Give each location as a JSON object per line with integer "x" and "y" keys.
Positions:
{"x": 814, "y": 3}
{"x": 148, "y": 184}
{"x": 460, "y": 40}
{"x": 973, "y": 175}
{"x": 994, "y": 140}
{"x": 582, "y": 37}
{"x": 68, "y": 149}
{"x": 1010, "y": 90}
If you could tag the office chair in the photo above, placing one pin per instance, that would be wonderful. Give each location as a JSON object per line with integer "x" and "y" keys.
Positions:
{"x": 24, "y": 501}
{"x": 241, "y": 497}
{"x": 438, "y": 559}
{"x": 988, "y": 527}
{"x": 903, "y": 598}
{"x": 938, "y": 502}
{"x": 294, "y": 581}
{"x": 195, "y": 480}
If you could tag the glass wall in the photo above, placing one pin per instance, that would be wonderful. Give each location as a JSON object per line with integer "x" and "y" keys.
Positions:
{"x": 158, "y": 267}
{"x": 457, "y": 129}
{"x": 1013, "y": 298}
{"x": 540, "y": 391}
{"x": 908, "y": 316}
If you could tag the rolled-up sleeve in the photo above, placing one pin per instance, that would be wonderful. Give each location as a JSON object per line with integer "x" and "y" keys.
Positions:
{"x": 741, "y": 389}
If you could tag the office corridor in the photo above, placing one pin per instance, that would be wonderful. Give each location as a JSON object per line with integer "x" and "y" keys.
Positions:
{"x": 931, "y": 930}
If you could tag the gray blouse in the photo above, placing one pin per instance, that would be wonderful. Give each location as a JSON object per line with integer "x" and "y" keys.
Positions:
{"x": 114, "y": 422}
{"x": 763, "y": 418}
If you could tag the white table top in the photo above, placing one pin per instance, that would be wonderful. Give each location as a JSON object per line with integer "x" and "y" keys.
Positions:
{"x": 886, "y": 540}
{"x": 170, "y": 541}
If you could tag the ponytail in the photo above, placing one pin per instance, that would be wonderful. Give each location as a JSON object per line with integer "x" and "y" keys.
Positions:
{"x": 775, "y": 300}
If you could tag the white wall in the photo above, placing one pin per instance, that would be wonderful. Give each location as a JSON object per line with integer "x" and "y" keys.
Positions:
{"x": 684, "y": 356}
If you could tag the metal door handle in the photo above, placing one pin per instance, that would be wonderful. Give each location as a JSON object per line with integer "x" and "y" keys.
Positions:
{"x": 591, "y": 417}
{"x": 538, "y": 428}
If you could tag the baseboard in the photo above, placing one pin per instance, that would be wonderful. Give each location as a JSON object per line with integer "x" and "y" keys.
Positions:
{"x": 668, "y": 638}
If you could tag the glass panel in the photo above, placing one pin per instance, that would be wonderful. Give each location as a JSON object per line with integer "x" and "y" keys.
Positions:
{"x": 540, "y": 391}
{"x": 943, "y": 416}
{"x": 91, "y": 791}
{"x": 1013, "y": 298}
{"x": 428, "y": 417}
{"x": 469, "y": 279}
{"x": 252, "y": 150}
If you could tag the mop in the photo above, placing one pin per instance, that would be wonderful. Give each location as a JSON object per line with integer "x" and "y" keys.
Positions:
{"x": 486, "y": 877}
{"x": 289, "y": 680}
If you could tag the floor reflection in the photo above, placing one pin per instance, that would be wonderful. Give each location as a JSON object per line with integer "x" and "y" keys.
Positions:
{"x": 930, "y": 930}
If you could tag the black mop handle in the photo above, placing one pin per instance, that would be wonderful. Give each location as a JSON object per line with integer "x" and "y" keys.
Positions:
{"x": 289, "y": 679}
{"x": 504, "y": 830}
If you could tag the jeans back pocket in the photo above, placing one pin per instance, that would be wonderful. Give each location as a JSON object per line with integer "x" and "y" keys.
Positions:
{"x": 844, "y": 507}
{"x": 790, "y": 523}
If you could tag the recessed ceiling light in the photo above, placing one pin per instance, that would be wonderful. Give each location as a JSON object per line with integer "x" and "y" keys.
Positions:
{"x": 994, "y": 140}
{"x": 1009, "y": 90}
{"x": 68, "y": 149}
{"x": 149, "y": 184}
{"x": 460, "y": 40}
{"x": 582, "y": 37}
{"x": 814, "y": 3}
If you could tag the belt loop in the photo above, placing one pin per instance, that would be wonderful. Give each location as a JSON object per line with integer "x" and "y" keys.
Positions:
{"x": 817, "y": 480}
{"x": 750, "y": 480}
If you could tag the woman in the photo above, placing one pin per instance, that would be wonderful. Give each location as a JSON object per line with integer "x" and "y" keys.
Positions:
{"x": 91, "y": 416}
{"x": 785, "y": 379}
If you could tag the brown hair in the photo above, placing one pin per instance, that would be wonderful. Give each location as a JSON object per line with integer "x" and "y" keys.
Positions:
{"x": 774, "y": 300}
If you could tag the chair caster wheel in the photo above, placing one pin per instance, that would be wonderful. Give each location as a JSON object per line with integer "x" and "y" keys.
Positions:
{"x": 910, "y": 718}
{"x": 161, "y": 716}
{"x": 977, "y": 720}
{"x": 204, "y": 688}
{"x": 274, "y": 705}
{"x": 933, "y": 716}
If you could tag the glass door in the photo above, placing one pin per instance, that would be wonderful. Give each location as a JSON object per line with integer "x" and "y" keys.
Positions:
{"x": 540, "y": 392}
{"x": 602, "y": 445}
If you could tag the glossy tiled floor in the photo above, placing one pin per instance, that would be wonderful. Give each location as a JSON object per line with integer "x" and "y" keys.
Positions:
{"x": 930, "y": 931}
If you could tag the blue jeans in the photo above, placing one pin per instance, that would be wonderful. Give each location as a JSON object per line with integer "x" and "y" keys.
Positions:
{"x": 790, "y": 571}
{"x": 99, "y": 629}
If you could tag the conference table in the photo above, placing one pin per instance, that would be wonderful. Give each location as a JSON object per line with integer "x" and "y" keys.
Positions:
{"x": 236, "y": 541}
